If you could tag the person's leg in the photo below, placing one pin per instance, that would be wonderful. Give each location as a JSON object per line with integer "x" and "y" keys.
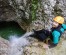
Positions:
{"x": 39, "y": 31}
{"x": 41, "y": 36}
{"x": 47, "y": 32}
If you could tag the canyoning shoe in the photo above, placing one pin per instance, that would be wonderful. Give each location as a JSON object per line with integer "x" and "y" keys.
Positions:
{"x": 32, "y": 35}
{"x": 34, "y": 30}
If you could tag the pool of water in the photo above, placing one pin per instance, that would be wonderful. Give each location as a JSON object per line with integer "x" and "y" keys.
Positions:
{"x": 11, "y": 28}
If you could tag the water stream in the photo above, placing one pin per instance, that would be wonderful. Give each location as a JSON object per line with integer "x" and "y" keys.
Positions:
{"x": 16, "y": 36}
{"x": 17, "y": 44}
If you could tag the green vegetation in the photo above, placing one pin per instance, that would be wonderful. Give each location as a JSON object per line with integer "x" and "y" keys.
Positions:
{"x": 34, "y": 8}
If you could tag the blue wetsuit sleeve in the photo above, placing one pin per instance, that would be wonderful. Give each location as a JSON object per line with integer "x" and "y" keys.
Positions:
{"x": 64, "y": 26}
{"x": 56, "y": 36}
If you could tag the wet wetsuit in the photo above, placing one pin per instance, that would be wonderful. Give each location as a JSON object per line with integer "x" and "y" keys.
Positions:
{"x": 54, "y": 34}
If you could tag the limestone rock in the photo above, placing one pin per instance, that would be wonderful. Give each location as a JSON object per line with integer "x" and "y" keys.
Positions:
{"x": 4, "y": 45}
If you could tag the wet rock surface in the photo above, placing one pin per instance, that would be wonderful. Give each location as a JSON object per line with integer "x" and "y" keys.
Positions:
{"x": 34, "y": 48}
{"x": 4, "y": 46}
{"x": 38, "y": 48}
{"x": 20, "y": 11}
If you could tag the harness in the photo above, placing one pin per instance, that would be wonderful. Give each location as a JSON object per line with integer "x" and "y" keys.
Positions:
{"x": 57, "y": 29}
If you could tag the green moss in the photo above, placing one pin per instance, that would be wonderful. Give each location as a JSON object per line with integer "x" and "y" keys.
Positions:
{"x": 34, "y": 8}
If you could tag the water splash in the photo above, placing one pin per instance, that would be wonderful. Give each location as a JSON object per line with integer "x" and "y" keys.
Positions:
{"x": 17, "y": 44}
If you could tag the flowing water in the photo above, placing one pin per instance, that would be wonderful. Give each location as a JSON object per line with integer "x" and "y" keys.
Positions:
{"x": 17, "y": 44}
{"x": 16, "y": 35}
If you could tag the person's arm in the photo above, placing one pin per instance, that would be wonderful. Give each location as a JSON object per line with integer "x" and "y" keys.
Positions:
{"x": 64, "y": 26}
{"x": 56, "y": 37}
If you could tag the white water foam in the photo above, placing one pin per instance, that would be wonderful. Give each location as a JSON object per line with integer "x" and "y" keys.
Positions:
{"x": 17, "y": 44}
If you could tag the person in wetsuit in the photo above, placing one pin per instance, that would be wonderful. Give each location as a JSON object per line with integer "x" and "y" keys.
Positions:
{"x": 57, "y": 29}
